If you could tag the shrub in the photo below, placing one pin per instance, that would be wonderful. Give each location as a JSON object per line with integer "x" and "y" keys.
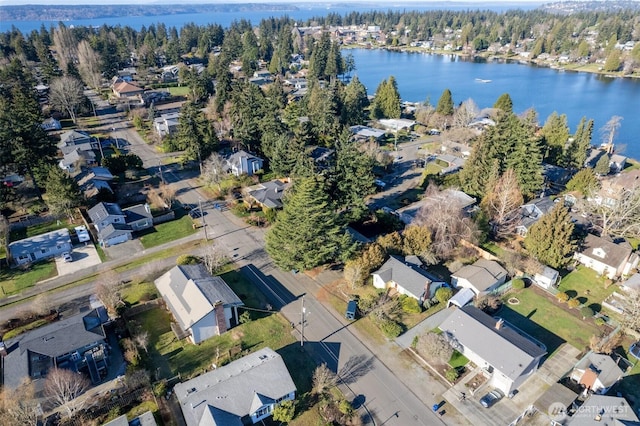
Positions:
{"x": 586, "y": 312}
{"x": 517, "y": 284}
{"x": 187, "y": 259}
{"x": 573, "y": 303}
{"x": 443, "y": 294}
{"x": 562, "y": 297}
{"x": 245, "y": 317}
{"x": 451, "y": 375}
{"x": 390, "y": 328}
{"x": 411, "y": 306}
{"x": 414, "y": 342}
{"x": 599, "y": 321}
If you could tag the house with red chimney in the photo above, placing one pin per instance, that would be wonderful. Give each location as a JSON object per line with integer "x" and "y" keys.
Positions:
{"x": 203, "y": 306}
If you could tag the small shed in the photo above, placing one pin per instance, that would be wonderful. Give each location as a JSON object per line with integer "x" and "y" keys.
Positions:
{"x": 461, "y": 298}
{"x": 547, "y": 278}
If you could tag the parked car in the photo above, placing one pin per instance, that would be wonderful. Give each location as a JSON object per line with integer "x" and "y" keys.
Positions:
{"x": 195, "y": 213}
{"x": 491, "y": 398}
{"x": 66, "y": 256}
{"x": 82, "y": 233}
{"x": 352, "y": 306}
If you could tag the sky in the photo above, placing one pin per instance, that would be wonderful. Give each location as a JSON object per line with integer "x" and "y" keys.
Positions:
{"x": 337, "y": 2}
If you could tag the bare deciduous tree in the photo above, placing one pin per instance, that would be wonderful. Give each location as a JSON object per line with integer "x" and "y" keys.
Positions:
{"x": 64, "y": 387}
{"x": 465, "y": 114}
{"x": 41, "y": 304}
{"x": 354, "y": 273}
{"x": 4, "y": 230}
{"x": 631, "y": 316}
{"x": 502, "y": 205}
{"x": 168, "y": 194}
{"x": 221, "y": 120}
{"x": 214, "y": 258}
{"x": 435, "y": 346}
{"x": 620, "y": 217}
{"x": 89, "y": 65}
{"x": 323, "y": 379}
{"x": 141, "y": 338}
{"x": 66, "y": 94}
{"x": 444, "y": 216}
{"x": 108, "y": 290}
{"x": 214, "y": 170}
{"x": 19, "y": 406}
{"x": 66, "y": 46}
{"x": 609, "y": 132}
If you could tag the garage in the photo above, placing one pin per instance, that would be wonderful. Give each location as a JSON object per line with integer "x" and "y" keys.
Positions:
{"x": 112, "y": 235}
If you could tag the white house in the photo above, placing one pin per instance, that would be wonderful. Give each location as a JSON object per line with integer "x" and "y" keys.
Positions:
{"x": 166, "y": 124}
{"x": 606, "y": 257}
{"x": 40, "y": 247}
{"x": 242, "y": 392}
{"x": 242, "y": 162}
{"x": 406, "y": 278}
{"x": 482, "y": 277}
{"x": 203, "y": 306}
{"x": 597, "y": 373}
{"x": 503, "y": 351}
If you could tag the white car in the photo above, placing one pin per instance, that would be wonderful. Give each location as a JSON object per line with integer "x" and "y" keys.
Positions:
{"x": 82, "y": 233}
{"x": 67, "y": 257}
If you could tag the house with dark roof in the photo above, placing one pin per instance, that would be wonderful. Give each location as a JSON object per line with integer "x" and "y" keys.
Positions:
{"x": 601, "y": 410}
{"x": 93, "y": 180}
{"x": 505, "y": 353}
{"x": 597, "y": 373}
{"x": 138, "y": 217}
{"x": 77, "y": 343}
{"x": 482, "y": 277}
{"x": 76, "y": 158}
{"x": 531, "y": 213}
{"x": 144, "y": 419}
{"x": 242, "y": 392}
{"x": 40, "y": 247}
{"x": 268, "y": 194}
{"x": 51, "y": 124}
{"x": 606, "y": 257}
{"x": 116, "y": 225}
{"x": 75, "y": 138}
{"x": 242, "y": 162}
{"x": 122, "y": 89}
{"x": 202, "y": 305}
{"x": 407, "y": 277}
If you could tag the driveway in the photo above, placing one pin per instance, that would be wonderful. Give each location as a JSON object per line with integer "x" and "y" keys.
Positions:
{"x": 124, "y": 250}
{"x": 83, "y": 257}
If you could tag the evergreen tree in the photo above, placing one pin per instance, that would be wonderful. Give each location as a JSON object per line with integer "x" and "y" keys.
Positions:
{"x": 603, "y": 165}
{"x": 504, "y": 103}
{"x": 287, "y": 152}
{"x": 320, "y": 57}
{"x": 555, "y": 134}
{"x": 551, "y": 240}
{"x": 322, "y": 105}
{"x": 578, "y": 149}
{"x": 355, "y": 102}
{"x": 249, "y": 53}
{"x": 386, "y": 102}
{"x": 247, "y": 111}
{"x": 63, "y": 193}
{"x": 196, "y": 136}
{"x": 306, "y": 233}
{"x": 585, "y": 182}
{"x": 445, "y": 103}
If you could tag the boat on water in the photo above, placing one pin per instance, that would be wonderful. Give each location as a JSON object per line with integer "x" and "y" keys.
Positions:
{"x": 481, "y": 80}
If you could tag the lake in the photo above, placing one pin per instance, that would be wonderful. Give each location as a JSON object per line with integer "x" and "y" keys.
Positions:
{"x": 425, "y": 76}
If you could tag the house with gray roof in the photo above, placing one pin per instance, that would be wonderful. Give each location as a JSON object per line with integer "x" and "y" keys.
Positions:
{"x": 77, "y": 343}
{"x": 482, "y": 277}
{"x": 138, "y": 217}
{"x": 40, "y": 247}
{"x": 242, "y": 392}
{"x": 600, "y": 410}
{"x": 72, "y": 161}
{"x": 531, "y": 213}
{"x": 464, "y": 202}
{"x": 116, "y": 225}
{"x": 76, "y": 138}
{"x": 144, "y": 419}
{"x": 505, "y": 353}
{"x": 606, "y": 257}
{"x": 167, "y": 124}
{"x": 268, "y": 194}
{"x": 366, "y": 133}
{"x": 202, "y": 305}
{"x": 597, "y": 373}
{"x": 406, "y": 278}
{"x": 242, "y": 162}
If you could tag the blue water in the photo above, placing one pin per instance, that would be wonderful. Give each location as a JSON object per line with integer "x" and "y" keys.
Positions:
{"x": 425, "y": 76}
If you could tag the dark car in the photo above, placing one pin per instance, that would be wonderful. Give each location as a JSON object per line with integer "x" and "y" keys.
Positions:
{"x": 194, "y": 213}
{"x": 491, "y": 398}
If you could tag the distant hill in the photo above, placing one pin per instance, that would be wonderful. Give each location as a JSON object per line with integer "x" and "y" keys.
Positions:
{"x": 576, "y": 6}
{"x": 37, "y": 12}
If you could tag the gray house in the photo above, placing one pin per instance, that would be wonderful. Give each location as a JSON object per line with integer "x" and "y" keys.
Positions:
{"x": 202, "y": 305}
{"x": 77, "y": 343}
{"x": 597, "y": 373}
{"x": 268, "y": 194}
{"x": 482, "y": 277}
{"x": 242, "y": 162}
{"x": 40, "y": 247}
{"x": 504, "y": 352}
{"x": 600, "y": 410}
{"x": 116, "y": 225}
{"x": 406, "y": 278}
{"x": 138, "y": 217}
{"x": 532, "y": 212}
{"x": 240, "y": 393}
{"x": 77, "y": 138}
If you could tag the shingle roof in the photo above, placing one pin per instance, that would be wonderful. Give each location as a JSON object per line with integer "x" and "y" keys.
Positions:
{"x": 74, "y": 137}
{"x": 269, "y": 193}
{"x": 102, "y": 210}
{"x": 505, "y": 349}
{"x": 225, "y": 395}
{"x": 615, "y": 254}
{"x": 482, "y": 274}
{"x": 137, "y": 212}
{"x": 409, "y": 277}
{"x": 601, "y": 366}
{"x": 600, "y": 410}
{"x": 191, "y": 292}
{"x": 124, "y": 88}
{"x": 50, "y": 239}
{"x": 113, "y": 230}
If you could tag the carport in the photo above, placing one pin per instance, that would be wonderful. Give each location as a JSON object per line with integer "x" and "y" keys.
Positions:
{"x": 461, "y": 298}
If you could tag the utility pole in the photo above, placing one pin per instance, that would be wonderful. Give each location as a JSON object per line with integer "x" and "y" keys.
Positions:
{"x": 302, "y": 324}
{"x": 204, "y": 222}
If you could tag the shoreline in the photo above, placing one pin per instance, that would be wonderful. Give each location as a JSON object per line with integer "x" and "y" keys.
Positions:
{"x": 502, "y": 58}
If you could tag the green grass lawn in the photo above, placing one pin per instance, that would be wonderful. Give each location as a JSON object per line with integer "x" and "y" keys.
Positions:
{"x": 171, "y": 356}
{"x": 457, "y": 360}
{"x": 21, "y": 233}
{"x": 168, "y": 231}
{"x": 245, "y": 290}
{"x": 178, "y": 91}
{"x": 547, "y": 322}
{"x": 587, "y": 287}
{"x": 134, "y": 293}
{"x": 15, "y": 280}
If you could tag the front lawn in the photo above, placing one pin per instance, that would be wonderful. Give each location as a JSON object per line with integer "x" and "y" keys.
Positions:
{"x": 15, "y": 280}
{"x": 457, "y": 360}
{"x": 547, "y": 322}
{"x": 171, "y": 356}
{"x": 587, "y": 286}
{"x": 166, "y": 232}
{"x": 178, "y": 91}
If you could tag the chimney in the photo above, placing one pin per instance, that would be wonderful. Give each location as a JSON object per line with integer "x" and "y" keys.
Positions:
{"x": 3, "y": 349}
{"x": 218, "y": 308}
{"x": 147, "y": 208}
{"x": 499, "y": 324}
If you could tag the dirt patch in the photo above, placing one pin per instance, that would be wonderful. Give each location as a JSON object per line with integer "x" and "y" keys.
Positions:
{"x": 313, "y": 273}
{"x": 237, "y": 334}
